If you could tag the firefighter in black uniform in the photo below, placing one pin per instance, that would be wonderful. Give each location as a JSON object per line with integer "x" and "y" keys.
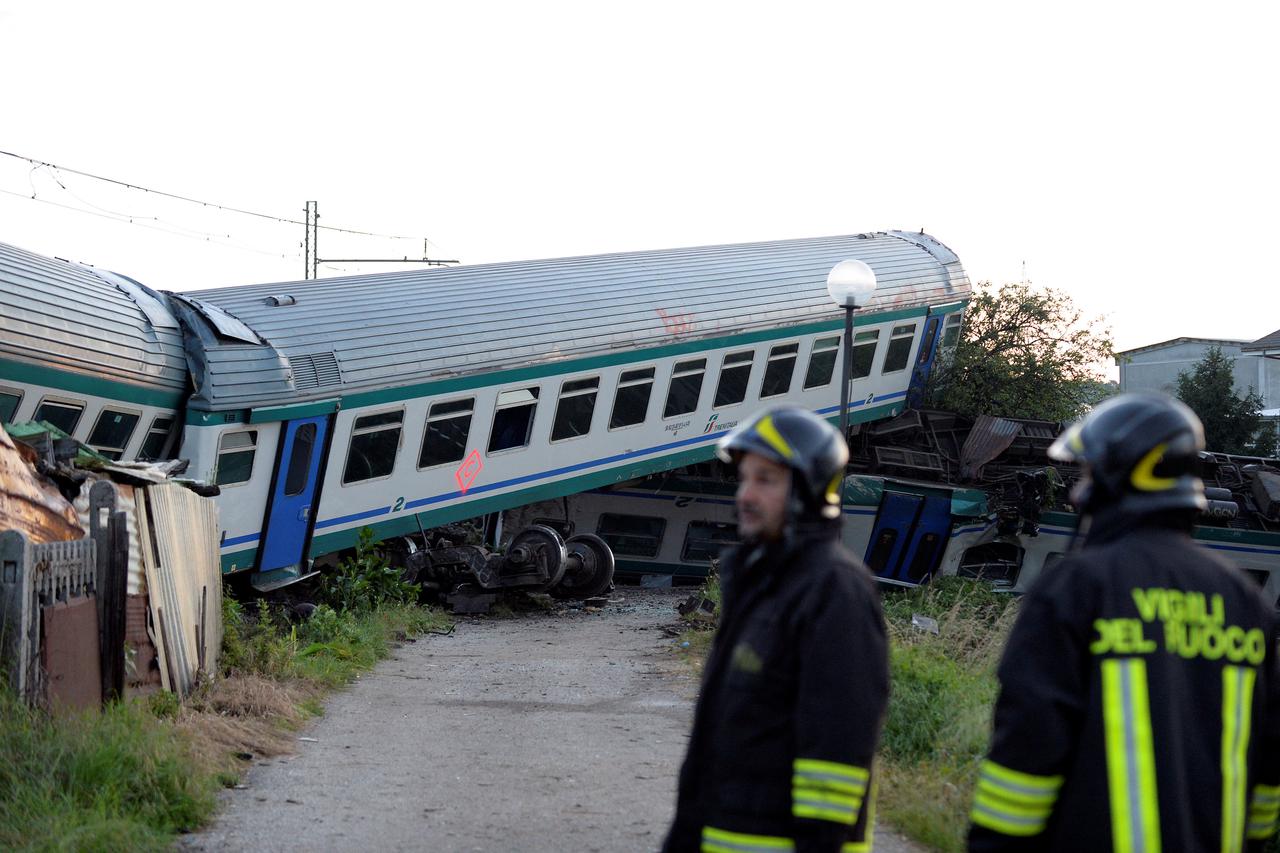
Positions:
{"x": 797, "y": 680}
{"x": 1139, "y": 707}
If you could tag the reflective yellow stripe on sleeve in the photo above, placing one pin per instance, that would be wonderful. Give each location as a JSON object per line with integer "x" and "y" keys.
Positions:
{"x": 1012, "y": 802}
{"x": 1264, "y": 811}
{"x": 722, "y": 841}
{"x": 827, "y": 790}
{"x": 1131, "y": 760}
{"x": 1237, "y": 705}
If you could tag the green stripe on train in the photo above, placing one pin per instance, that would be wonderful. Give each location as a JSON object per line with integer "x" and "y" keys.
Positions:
{"x": 79, "y": 383}
{"x": 437, "y": 387}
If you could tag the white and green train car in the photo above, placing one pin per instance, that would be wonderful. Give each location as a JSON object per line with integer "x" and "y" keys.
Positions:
{"x": 407, "y": 400}
{"x": 90, "y": 352}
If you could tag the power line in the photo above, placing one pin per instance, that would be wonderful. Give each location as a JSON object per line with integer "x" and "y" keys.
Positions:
{"x": 201, "y": 202}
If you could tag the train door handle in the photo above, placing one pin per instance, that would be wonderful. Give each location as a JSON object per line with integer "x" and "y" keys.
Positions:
{"x": 304, "y": 513}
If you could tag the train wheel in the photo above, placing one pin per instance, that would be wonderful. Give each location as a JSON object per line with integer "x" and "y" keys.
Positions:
{"x": 590, "y": 568}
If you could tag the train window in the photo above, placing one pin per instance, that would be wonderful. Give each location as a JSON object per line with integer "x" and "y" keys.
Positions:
{"x": 778, "y": 370}
{"x": 9, "y": 401}
{"x": 632, "y": 535}
{"x": 112, "y": 432}
{"x": 998, "y": 562}
{"x": 235, "y": 457}
{"x": 704, "y": 540}
{"x": 445, "y": 438}
{"x": 926, "y": 343}
{"x": 153, "y": 446}
{"x": 951, "y": 329}
{"x": 304, "y": 441}
{"x": 574, "y": 410}
{"x": 864, "y": 352}
{"x": 899, "y": 348}
{"x": 631, "y": 403}
{"x": 735, "y": 371}
{"x": 64, "y": 416}
{"x": 686, "y": 386}
{"x": 926, "y": 557}
{"x": 878, "y": 558}
{"x": 822, "y": 361}
{"x": 513, "y": 419}
{"x": 375, "y": 440}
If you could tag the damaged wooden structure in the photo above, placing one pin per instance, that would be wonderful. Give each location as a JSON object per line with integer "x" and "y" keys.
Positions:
{"x": 115, "y": 590}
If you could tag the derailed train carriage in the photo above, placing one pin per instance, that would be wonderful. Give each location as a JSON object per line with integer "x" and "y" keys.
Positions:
{"x": 911, "y": 519}
{"x": 406, "y": 401}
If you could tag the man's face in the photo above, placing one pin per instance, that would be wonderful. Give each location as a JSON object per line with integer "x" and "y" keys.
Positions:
{"x": 764, "y": 487}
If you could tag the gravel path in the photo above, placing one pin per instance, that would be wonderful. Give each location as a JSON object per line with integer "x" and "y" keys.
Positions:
{"x": 540, "y": 732}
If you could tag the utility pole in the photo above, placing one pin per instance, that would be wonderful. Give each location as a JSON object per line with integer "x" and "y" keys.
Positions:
{"x": 311, "y": 242}
{"x": 313, "y": 259}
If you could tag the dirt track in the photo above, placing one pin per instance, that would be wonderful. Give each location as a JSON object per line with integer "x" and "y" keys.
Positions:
{"x": 540, "y": 732}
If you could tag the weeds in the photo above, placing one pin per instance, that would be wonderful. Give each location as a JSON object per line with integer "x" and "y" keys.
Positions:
{"x": 939, "y": 718}
{"x": 119, "y": 780}
{"x": 365, "y": 581}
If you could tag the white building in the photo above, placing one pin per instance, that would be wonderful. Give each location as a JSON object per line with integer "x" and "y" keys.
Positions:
{"x": 1156, "y": 367}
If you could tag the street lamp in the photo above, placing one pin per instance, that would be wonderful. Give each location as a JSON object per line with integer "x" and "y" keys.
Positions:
{"x": 851, "y": 285}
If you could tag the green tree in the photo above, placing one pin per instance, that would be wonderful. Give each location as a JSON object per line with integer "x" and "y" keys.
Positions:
{"x": 1026, "y": 352}
{"x": 1232, "y": 423}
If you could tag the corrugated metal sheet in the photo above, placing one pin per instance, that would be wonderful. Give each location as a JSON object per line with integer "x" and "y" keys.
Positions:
{"x": 184, "y": 582}
{"x": 989, "y": 438}
{"x": 67, "y": 316}
{"x": 404, "y": 327}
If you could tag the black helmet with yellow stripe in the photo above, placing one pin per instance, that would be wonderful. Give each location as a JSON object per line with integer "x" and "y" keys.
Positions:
{"x": 1140, "y": 455}
{"x": 805, "y": 443}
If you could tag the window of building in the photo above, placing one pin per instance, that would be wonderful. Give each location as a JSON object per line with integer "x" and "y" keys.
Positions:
{"x": 235, "y": 457}
{"x": 375, "y": 441}
{"x": 9, "y": 401}
{"x": 864, "y": 352}
{"x": 112, "y": 432}
{"x": 899, "y": 348}
{"x": 778, "y": 370}
{"x": 632, "y": 535}
{"x": 153, "y": 446}
{"x": 704, "y": 540}
{"x": 631, "y": 403}
{"x": 686, "y": 386}
{"x": 513, "y": 419}
{"x": 735, "y": 371}
{"x": 951, "y": 329}
{"x": 822, "y": 361}
{"x": 64, "y": 416}
{"x": 304, "y": 442}
{"x": 445, "y": 437}
{"x": 573, "y": 411}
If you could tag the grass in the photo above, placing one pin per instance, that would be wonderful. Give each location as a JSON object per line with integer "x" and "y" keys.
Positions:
{"x": 939, "y": 718}
{"x": 142, "y": 771}
{"x": 694, "y": 642}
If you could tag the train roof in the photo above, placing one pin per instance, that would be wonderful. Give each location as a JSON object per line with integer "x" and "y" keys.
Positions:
{"x": 336, "y": 336}
{"x": 89, "y": 322}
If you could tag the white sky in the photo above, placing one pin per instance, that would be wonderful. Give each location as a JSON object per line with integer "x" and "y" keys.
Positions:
{"x": 1127, "y": 152}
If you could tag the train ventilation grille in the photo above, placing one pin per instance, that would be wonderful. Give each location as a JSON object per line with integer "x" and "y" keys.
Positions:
{"x": 315, "y": 370}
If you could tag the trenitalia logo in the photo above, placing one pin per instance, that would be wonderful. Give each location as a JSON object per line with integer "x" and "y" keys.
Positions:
{"x": 711, "y": 424}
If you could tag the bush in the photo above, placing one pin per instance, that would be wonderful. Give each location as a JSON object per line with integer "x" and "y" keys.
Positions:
{"x": 365, "y": 581}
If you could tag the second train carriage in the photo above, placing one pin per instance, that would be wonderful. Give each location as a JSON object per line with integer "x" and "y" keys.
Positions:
{"x": 404, "y": 401}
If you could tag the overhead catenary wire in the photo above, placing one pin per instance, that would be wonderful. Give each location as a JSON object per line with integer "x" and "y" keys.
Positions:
{"x": 203, "y": 203}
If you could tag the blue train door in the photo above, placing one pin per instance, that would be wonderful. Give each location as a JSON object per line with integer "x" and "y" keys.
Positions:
{"x": 909, "y": 537}
{"x": 294, "y": 492}
{"x": 924, "y": 362}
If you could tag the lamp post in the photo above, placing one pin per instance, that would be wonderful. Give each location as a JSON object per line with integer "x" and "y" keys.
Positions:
{"x": 851, "y": 285}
